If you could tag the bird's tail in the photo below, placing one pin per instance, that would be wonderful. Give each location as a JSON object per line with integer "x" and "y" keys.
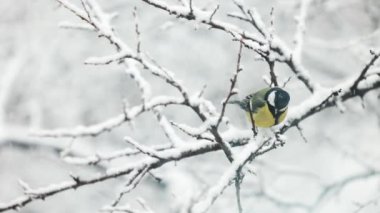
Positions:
{"x": 240, "y": 103}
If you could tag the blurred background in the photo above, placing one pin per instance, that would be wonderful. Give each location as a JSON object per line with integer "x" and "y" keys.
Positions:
{"x": 44, "y": 84}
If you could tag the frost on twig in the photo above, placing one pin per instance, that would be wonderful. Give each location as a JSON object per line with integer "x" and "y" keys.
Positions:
{"x": 362, "y": 76}
{"x": 123, "y": 208}
{"x": 197, "y": 133}
{"x": 182, "y": 152}
{"x": 208, "y": 136}
{"x": 341, "y": 92}
{"x": 275, "y": 44}
{"x": 214, "y": 192}
{"x": 110, "y": 124}
{"x": 75, "y": 26}
{"x": 270, "y": 58}
{"x": 168, "y": 129}
{"x": 110, "y": 156}
{"x": 133, "y": 180}
{"x": 231, "y": 92}
{"x": 146, "y": 150}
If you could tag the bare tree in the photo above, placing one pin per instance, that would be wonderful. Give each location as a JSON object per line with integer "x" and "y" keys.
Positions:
{"x": 248, "y": 31}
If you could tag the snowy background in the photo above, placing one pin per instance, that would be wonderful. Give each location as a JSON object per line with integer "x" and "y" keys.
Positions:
{"x": 44, "y": 84}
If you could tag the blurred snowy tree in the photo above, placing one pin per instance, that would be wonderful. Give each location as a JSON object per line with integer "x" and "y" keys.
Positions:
{"x": 149, "y": 106}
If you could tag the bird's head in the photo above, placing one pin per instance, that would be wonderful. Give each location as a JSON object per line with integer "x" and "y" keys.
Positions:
{"x": 278, "y": 98}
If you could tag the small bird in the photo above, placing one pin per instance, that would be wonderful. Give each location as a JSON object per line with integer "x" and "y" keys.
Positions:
{"x": 266, "y": 107}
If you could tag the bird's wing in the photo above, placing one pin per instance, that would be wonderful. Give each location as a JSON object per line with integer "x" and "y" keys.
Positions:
{"x": 257, "y": 100}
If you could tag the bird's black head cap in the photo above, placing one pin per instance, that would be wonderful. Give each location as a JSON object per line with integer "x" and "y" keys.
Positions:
{"x": 278, "y": 98}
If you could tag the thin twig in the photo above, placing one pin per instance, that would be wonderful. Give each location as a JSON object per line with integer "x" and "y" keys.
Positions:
{"x": 146, "y": 150}
{"x": 273, "y": 76}
{"x": 271, "y": 28}
{"x": 86, "y": 9}
{"x": 249, "y": 153}
{"x": 131, "y": 184}
{"x": 250, "y": 41}
{"x": 191, "y": 16}
{"x": 269, "y": 58}
{"x": 354, "y": 86}
{"x": 233, "y": 81}
{"x": 166, "y": 126}
{"x": 151, "y": 163}
{"x": 214, "y": 12}
{"x": 238, "y": 181}
{"x": 300, "y": 130}
{"x": 137, "y": 31}
{"x": 201, "y": 148}
{"x": 254, "y": 130}
{"x": 198, "y": 136}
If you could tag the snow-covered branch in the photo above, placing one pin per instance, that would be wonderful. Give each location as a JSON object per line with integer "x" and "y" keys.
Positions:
{"x": 354, "y": 87}
{"x": 94, "y": 130}
{"x": 362, "y": 76}
{"x": 106, "y": 157}
{"x": 251, "y": 41}
{"x": 101, "y": 21}
{"x": 175, "y": 154}
{"x": 250, "y": 151}
{"x": 208, "y": 135}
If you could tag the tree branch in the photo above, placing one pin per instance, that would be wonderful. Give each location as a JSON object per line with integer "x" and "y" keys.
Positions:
{"x": 176, "y": 154}
{"x": 204, "y": 109}
{"x": 361, "y": 77}
{"x": 232, "y": 90}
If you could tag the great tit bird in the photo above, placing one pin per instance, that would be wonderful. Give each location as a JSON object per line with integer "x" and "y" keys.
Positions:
{"x": 266, "y": 107}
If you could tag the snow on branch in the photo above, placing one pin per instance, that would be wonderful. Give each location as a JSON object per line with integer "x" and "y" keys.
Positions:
{"x": 355, "y": 86}
{"x": 75, "y": 26}
{"x": 133, "y": 180}
{"x": 94, "y": 130}
{"x": 128, "y": 209}
{"x": 166, "y": 126}
{"x": 106, "y": 157}
{"x": 363, "y": 73}
{"x": 123, "y": 208}
{"x": 195, "y": 132}
{"x": 143, "y": 149}
{"x": 100, "y": 20}
{"x": 249, "y": 152}
{"x": 255, "y": 42}
{"x": 185, "y": 151}
{"x": 208, "y": 137}
{"x": 104, "y": 60}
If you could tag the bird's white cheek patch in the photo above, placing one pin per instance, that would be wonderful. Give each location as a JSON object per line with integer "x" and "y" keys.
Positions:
{"x": 271, "y": 98}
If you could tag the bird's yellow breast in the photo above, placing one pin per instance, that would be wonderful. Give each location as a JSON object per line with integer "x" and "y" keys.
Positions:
{"x": 264, "y": 118}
